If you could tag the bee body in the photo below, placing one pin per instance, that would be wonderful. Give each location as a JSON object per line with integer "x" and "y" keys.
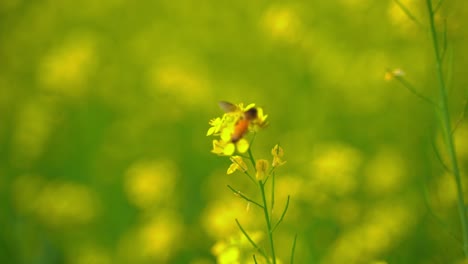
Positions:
{"x": 240, "y": 130}
{"x": 242, "y": 125}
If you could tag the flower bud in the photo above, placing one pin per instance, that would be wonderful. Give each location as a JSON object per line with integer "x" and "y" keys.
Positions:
{"x": 262, "y": 167}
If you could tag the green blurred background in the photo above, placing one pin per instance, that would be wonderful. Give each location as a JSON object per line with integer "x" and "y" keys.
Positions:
{"x": 104, "y": 108}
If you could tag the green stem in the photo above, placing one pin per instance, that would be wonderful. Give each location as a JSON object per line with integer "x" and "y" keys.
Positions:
{"x": 249, "y": 151}
{"x": 282, "y": 215}
{"x": 293, "y": 249}
{"x": 252, "y": 158}
{"x": 447, "y": 129}
{"x": 268, "y": 220}
{"x": 272, "y": 193}
{"x": 265, "y": 210}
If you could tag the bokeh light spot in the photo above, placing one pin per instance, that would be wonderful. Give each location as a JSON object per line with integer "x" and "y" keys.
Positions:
{"x": 66, "y": 69}
{"x": 333, "y": 169}
{"x": 385, "y": 173}
{"x": 282, "y": 23}
{"x": 148, "y": 183}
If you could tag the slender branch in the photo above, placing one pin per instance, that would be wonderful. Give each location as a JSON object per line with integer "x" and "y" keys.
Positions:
{"x": 255, "y": 259}
{"x": 252, "y": 160}
{"x": 282, "y": 215}
{"x": 250, "y": 176}
{"x": 408, "y": 13}
{"x": 462, "y": 116}
{"x": 251, "y": 241}
{"x": 236, "y": 192}
{"x": 446, "y": 126}
{"x": 439, "y": 157}
{"x": 253, "y": 138}
{"x": 293, "y": 249}
{"x": 444, "y": 42}
{"x": 411, "y": 88}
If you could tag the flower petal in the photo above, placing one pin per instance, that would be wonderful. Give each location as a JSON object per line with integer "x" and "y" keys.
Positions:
{"x": 242, "y": 145}
{"x": 229, "y": 149}
{"x": 232, "y": 168}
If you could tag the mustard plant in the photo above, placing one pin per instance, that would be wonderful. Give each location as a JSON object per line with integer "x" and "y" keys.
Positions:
{"x": 231, "y": 131}
{"x": 438, "y": 40}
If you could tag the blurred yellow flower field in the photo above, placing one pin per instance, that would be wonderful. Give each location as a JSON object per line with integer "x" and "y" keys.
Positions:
{"x": 115, "y": 148}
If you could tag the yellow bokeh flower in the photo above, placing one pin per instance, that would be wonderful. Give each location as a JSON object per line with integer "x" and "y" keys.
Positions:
{"x": 237, "y": 164}
{"x": 277, "y": 153}
{"x": 235, "y": 249}
{"x": 149, "y": 182}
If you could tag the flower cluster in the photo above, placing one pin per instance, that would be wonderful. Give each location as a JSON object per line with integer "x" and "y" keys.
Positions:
{"x": 233, "y": 125}
{"x": 231, "y": 129}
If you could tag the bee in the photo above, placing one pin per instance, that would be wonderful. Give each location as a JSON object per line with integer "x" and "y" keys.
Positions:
{"x": 242, "y": 125}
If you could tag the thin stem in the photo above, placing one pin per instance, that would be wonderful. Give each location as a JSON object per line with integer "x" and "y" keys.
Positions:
{"x": 411, "y": 88}
{"x": 447, "y": 129}
{"x": 462, "y": 116}
{"x": 252, "y": 242}
{"x": 444, "y": 42}
{"x": 243, "y": 196}
{"x": 293, "y": 249}
{"x": 250, "y": 176}
{"x": 282, "y": 215}
{"x": 439, "y": 158}
{"x": 272, "y": 193}
{"x": 267, "y": 220}
{"x": 252, "y": 158}
{"x": 408, "y": 13}
{"x": 255, "y": 259}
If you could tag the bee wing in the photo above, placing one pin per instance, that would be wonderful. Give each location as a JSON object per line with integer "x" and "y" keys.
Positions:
{"x": 227, "y": 107}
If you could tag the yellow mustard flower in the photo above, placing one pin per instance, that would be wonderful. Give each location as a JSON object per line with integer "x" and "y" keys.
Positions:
{"x": 277, "y": 153}
{"x": 232, "y": 127}
{"x": 226, "y": 148}
{"x": 237, "y": 164}
{"x": 223, "y": 148}
{"x": 215, "y": 126}
{"x": 260, "y": 121}
{"x": 262, "y": 167}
